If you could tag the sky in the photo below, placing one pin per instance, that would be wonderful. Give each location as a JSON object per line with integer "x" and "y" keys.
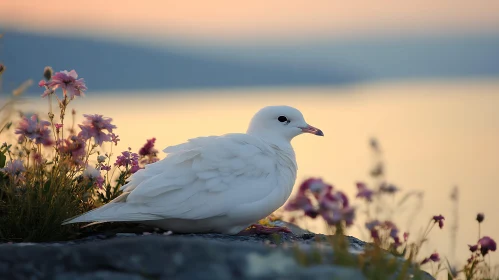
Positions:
{"x": 246, "y": 22}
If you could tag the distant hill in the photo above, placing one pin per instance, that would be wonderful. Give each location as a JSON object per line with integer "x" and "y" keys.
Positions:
{"x": 387, "y": 57}
{"x": 112, "y": 66}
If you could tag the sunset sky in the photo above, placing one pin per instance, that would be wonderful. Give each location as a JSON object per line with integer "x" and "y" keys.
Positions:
{"x": 249, "y": 21}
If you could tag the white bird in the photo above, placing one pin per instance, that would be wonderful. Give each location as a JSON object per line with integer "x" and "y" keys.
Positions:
{"x": 217, "y": 184}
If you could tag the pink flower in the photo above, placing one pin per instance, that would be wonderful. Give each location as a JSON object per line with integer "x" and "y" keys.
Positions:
{"x": 148, "y": 148}
{"x": 332, "y": 206}
{"x": 486, "y": 244}
{"x": 99, "y": 182}
{"x": 37, "y": 158}
{"x": 372, "y": 227}
{"x": 337, "y": 215}
{"x": 27, "y": 127}
{"x": 406, "y": 236}
{"x": 94, "y": 125}
{"x": 372, "y": 224}
{"x": 114, "y": 138}
{"x": 58, "y": 127}
{"x": 343, "y": 198}
{"x": 128, "y": 159}
{"x": 473, "y": 248}
{"x": 314, "y": 185}
{"x": 74, "y": 147}
{"x": 312, "y": 213}
{"x": 149, "y": 152}
{"x": 134, "y": 168}
{"x": 364, "y": 192}
{"x": 388, "y": 224}
{"x": 47, "y": 92}
{"x": 376, "y": 226}
{"x": 68, "y": 82}
{"x": 14, "y": 168}
{"x": 34, "y": 129}
{"x": 105, "y": 167}
{"x": 396, "y": 241}
{"x": 440, "y": 219}
{"x": 300, "y": 202}
{"x": 433, "y": 257}
{"x": 394, "y": 231}
{"x": 348, "y": 215}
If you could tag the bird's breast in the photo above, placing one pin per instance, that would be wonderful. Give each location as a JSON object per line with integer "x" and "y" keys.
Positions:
{"x": 286, "y": 179}
{"x": 286, "y": 174}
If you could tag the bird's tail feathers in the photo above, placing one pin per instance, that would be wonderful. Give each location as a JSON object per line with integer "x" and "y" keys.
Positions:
{"x": 92, "y": 215}
{"x": 115, "y": 211}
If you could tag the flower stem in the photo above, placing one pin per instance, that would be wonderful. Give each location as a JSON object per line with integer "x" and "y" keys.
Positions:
{"x": 63, "y": 113}
{"x": 88, "y": 151}
{"x": 50, "y": 103}
{"x": 427, "y": 227}
{"x": 479, "y": 225}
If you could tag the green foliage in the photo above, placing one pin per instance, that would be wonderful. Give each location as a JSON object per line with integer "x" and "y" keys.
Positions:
{"x": 34, "y": 212}
{"x": 3, "y": 159}
{"x": 111, "y": 192}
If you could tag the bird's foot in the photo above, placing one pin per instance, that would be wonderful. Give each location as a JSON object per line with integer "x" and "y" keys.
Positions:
{"x": 259, "y": 229}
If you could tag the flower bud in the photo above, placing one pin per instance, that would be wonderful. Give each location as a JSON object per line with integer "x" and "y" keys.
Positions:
{"x": 480, "y": 217}
{"x": 373, "y": 142}
{"x": 101, "y": 159}
{"x": 47, "y": 73}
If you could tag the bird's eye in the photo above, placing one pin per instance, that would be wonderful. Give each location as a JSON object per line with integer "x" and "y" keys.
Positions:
{"x": 283, "y": 119}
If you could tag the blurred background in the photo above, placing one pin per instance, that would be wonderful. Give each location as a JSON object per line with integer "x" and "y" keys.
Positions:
{"x": 422, "y": 77}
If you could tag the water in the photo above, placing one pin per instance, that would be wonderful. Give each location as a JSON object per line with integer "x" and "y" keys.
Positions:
{"x": 434, "y": 135}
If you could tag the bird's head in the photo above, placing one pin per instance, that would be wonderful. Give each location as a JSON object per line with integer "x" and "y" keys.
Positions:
{"x": 280, "y": 123}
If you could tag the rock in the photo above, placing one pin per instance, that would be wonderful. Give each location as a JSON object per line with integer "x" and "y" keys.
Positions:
{"x": 159, "y": 256}
{"x": 125, "y": 234}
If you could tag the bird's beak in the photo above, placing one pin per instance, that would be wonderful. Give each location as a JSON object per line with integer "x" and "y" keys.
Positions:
{"x": 313, "y": 130}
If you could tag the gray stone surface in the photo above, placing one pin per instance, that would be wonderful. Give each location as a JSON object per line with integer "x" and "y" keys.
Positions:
{"x": 160, "y": 256}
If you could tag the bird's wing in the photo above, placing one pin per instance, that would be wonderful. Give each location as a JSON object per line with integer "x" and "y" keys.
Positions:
{"x": 208, "y": 177}
{"x": 205, "y": 177}
{"x": 175, "y": 154}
